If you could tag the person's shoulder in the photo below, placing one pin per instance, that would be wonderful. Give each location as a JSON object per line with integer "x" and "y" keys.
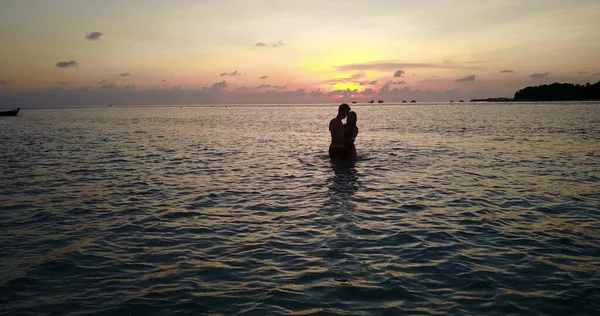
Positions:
{"x": 331, "y": 124}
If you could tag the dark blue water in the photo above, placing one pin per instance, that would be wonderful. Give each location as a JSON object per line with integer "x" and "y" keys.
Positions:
{"x": 450, "y": 209}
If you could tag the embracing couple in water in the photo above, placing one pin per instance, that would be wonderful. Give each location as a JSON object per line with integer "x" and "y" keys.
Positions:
{"x": 343, "y": 135}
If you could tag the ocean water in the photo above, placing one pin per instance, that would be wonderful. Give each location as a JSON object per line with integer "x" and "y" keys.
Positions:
{"x": 463, "y": 209}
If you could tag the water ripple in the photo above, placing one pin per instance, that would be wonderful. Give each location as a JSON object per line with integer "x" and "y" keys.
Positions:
{"x": 231, "y": 211}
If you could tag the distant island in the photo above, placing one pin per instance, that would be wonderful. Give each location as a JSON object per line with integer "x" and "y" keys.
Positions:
{"x": 553, "y": 92}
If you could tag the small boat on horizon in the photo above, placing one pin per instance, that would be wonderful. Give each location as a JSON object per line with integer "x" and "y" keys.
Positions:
{"x": 413, "y": 101}
{"x": 10, "y": 112}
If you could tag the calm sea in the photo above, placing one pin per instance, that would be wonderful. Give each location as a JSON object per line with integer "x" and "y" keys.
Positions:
{"x": 482, "y": 209}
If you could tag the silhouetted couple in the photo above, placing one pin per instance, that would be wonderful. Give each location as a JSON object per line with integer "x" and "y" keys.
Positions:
{"x": 343, "y": 135}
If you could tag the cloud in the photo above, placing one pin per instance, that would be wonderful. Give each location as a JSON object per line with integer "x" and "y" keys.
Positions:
{"x": 235, "y": 73}
{"x": 386, "y": 87}
{"x": 299, "y": 92}
{"x": 406, "y": 93}
{"x": 125, "y": 74}
{"x": 351, "y": 78}
{"x": 433, "y": 79}
{"x": 367, "y": 83}
{"x": 356, "y": 76}
{"x": 219, "y": 85}
{"x": 596, "y": 74}
{"x": 111, "y": 85}
{"x": 344, "y": 93}
{"x": 507, "y": 71}
{"x": 130, "y": 95}
{"x": 277, "y": 44}
{"x": 164, "y": 80}
{"x": 583, "y": 72}
{"x": 539, "y": 75}
{"x": 317, "y": 93}
{"x": 368, "y": 91}
{"x": 394, "y": 66}
{"x": 263, "y": 77}
{"x": 220, "y": 93}
{"x": 243, "y": 94}
{"x": 93, "y": 36}
{"x": 66, "y": 64}
{"x": 62, "y": 82}
{"x": 2, "y": 82}
{"x": 466, "y": 79}
{"x": 103, "y": 81}
{"x": 399, "y": 73}
{"x": 265, "y": 86}
{"x": 476, "y": 61}
{"x": 414, "y": 75}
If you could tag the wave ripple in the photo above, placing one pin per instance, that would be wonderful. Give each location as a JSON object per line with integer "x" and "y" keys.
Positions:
{"x": 459, "y": 210}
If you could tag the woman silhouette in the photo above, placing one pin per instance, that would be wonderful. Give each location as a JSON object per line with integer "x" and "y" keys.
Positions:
{"x": 350, "y": 133}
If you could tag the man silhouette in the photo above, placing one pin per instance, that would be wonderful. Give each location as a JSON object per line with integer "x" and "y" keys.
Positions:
{"x": 336, "y": 127}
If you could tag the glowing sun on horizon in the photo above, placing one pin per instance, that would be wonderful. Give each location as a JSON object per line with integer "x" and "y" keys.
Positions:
{"x": 345, "y": 86}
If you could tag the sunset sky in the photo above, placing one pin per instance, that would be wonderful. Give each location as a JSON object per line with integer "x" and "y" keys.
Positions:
{"x": 84, "y": 52}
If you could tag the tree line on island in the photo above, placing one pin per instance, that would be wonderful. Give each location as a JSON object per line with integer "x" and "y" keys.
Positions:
{"x": 553, "y": 92}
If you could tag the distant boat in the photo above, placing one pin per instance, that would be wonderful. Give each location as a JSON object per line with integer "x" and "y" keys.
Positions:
{"x": 110, "y": 105}
{"x": 461, "y": 101}
{"x": 10, "y": 113}
{"x": 413, "y": 101}
{"x": 353, "y": 102}
{"x": 451, "y": 101}
{"x": 371, "y": 101}
{"x": 404, "y": 101}
{"x": 380, "y": 101}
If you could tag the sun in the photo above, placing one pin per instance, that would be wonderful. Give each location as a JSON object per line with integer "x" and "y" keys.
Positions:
{"x": 345, "y": 86}
{"x": 325, "y": 62}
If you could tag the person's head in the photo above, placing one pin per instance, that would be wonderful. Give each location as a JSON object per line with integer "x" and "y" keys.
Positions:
{"x": 343, "y": 110}
{"x": 352, "y": 118}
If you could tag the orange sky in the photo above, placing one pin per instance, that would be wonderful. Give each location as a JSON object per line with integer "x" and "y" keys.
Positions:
{"x": 298, "y": 51}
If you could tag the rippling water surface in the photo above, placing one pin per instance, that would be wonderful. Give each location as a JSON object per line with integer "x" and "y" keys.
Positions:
{"x": 486, "y": 209}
